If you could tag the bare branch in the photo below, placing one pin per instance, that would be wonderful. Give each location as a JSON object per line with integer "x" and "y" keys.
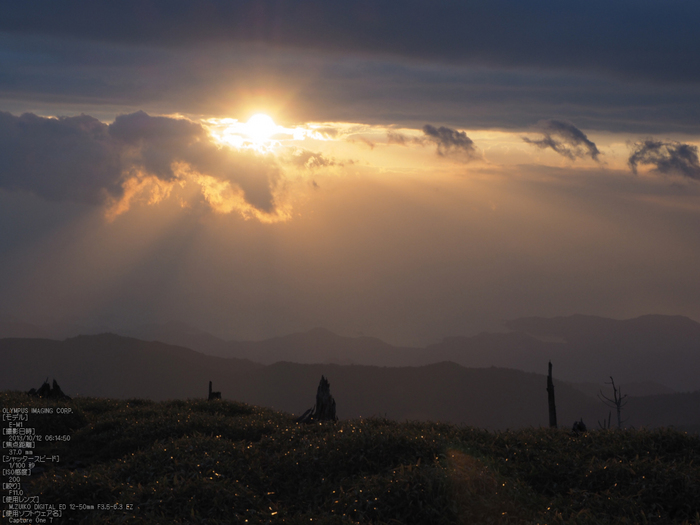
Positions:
{"x": 618, "y": 401}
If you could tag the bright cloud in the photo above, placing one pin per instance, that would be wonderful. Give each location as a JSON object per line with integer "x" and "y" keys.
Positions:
{"x": 82, "y": 159}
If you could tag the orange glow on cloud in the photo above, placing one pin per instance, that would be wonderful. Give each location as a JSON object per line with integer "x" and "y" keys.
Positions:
{"x": 148, "y": 189}
{"x": 225, "y": 198}
{"x": 308, "y": 156}
{"x": 221, "y": 196}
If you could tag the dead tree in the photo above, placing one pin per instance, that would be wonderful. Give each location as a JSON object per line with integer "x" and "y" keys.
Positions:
{"x": 213, "y": 395}
{"x": 324, "y": 409}
{"x": 579, "y": 427}
{"x": 325, "y": 404}
{"x": 618, "y": 402}
{"x": 550, "y": 398}
{"x": 47, "y": 392}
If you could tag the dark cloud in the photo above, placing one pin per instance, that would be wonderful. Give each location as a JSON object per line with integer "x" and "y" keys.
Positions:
{"x": 304, "y": 158}
{"x": 47, "y": 74}
{"x": 394, "y": 137}
{"x": 449, "y": 140}
{"x": 564, "y": 138}
{"x": 360, "y": 138}
{"x": 159, "y": 141}
{"x": 68, "y": 158}
{"x": 82, "y": 159}
{"x": 635, "y": 38}
{"x": 667, "y": 157}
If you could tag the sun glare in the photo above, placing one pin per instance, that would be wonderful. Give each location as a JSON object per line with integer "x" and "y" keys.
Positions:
{"x": 261, "y": 133}
{"x": 261, "y": 127}
{"x": 255, "y": 134}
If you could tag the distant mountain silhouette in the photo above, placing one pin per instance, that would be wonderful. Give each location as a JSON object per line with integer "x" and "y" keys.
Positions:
{"x": 181, "y": 334}
{"x": 323, "y": 346}
{"x": 109, "y": 365}
{"x": 11, "y": 327}
{"x": 658, "y": 348}
{"x": 651, "y": 354}
{"x": 317, "y": 345}
{"x": 638, "y": 389}
{"x": 661, "y": 352}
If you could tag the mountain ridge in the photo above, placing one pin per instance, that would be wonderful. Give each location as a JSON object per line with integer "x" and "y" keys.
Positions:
{"x": 109, "y": 365}
{"x": 653, "y": 348}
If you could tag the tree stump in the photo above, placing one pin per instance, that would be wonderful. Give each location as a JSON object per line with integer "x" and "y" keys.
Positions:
{"x": 324, "y": 409}
{"x": 579, "y": 427}
{"x": 213, "y": 395}
{"x": 325, "y": 404}
{"x": 45, "y": 391}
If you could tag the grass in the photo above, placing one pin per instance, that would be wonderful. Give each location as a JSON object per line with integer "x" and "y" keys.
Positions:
{"x": 223, "y": 462}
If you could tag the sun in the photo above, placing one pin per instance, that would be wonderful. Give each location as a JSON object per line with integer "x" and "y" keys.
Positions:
{"x": 260, "y": 127}
{"x": 260, "y": 133}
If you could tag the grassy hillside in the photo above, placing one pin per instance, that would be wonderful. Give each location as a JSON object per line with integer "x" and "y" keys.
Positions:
{"x": 224, "y": 462}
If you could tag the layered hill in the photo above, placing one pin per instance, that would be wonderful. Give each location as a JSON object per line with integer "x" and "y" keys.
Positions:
{"x": 655, "y": 353}
{"x": 109, "y": 365}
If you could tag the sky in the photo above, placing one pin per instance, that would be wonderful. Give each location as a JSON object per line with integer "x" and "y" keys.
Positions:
{"x": 407, "y": 170}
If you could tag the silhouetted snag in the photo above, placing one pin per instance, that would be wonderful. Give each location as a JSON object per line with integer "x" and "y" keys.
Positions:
{"x": 47, "y": 392}
{"x": 550, "y": 398}
{"x": 44, "y": 390}
{"x": 56, "y": 391}
{"x": 579, "y": 427}
{"x": 324, "y": 409}
{"x": 605, "y": 426}
{"x": 213, "y": 395}
{"x": 304, "y": 418}
{"x": 616, "y": 403}
{"x": 325, "y": 404}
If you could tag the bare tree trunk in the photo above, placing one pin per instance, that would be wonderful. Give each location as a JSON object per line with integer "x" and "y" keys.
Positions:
{"x": 325, "y": 404}
{"x": 213, "y": 395}
{"x": 618, "y": 403}
{"x": 46, "y": 391}
{"x": 324, "y": 409}
{"x": 550, "y": 398}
